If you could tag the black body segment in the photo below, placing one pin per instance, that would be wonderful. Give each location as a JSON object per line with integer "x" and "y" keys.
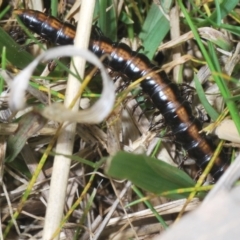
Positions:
{"x": 47, "y": 27}
{"x": 164, "y": 94}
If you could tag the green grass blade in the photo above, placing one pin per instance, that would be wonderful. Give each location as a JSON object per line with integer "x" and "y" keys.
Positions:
{"x": 212, "y": 66}
{"x": 4, "y": 11}
{"x": 3, "y": 66}
{"x": 218, "y": 12}
{"x": 233, "y": 29}
{"x": 150, "y": 206}
{"x": 54, "y": 7}
{"x": 223, "y": 10}
{"x": 202, "y": 97}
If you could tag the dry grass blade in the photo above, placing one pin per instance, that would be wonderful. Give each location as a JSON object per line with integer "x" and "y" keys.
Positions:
{"x": 164, "y": 209}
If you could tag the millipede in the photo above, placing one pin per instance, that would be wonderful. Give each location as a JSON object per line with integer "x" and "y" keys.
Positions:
{"x": 164, "y": 93}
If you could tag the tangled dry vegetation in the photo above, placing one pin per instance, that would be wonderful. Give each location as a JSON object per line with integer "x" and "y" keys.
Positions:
{"x": 65, "y": 142}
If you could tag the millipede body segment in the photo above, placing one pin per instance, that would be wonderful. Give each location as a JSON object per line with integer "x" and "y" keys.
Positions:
{"x": 164, "y": 94}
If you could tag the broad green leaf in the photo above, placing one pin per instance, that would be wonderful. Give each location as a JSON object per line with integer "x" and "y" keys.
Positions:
{"x": 148, "y": 173}
{"x": 155, "y": 28}
{"x": 107, "y": 18}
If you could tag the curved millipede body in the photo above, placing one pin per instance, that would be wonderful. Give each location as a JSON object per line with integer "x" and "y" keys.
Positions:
{"x": 164, "y": 94}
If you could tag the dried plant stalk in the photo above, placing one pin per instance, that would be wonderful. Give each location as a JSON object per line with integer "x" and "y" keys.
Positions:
{"x": 65, "y": 141}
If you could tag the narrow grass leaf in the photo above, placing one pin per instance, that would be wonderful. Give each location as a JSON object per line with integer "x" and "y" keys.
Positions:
{"x": 218, "y": 12}
{"x": 201, "y": 94}
{"x": 233, "y": 29}
{"x": 5, "y": 10}
{"x": 3, "y": 65}
{"x": 151, "y": 207}
{"x": 212, "y": 66}
{"x": 223, "y": 10}
{"x": 15, "y": 53}
{"x": 54, "y": 7}
{"x": 29, "y": 125}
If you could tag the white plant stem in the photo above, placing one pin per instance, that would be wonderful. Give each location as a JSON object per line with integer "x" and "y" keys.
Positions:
{"x": 61, "y": 165}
